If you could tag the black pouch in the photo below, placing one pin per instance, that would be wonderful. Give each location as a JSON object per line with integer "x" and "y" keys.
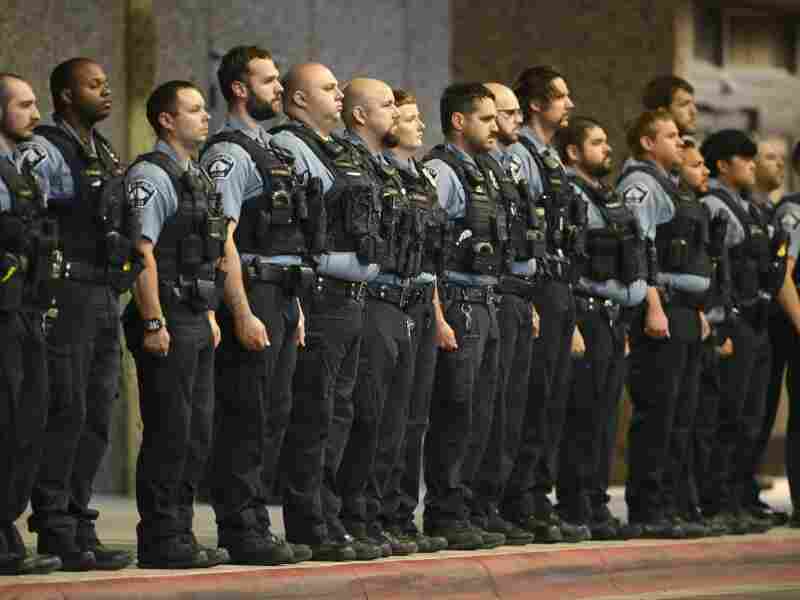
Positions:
{"x": 483, "y": 259}
{"x": 746, "y": 279}
{"x": 678, "y": 257}
{"x": 631, "y": 258}
{"x": 603, "y": 260}
{"x": 282, "y": 208}
{"x": 537, "y": 243}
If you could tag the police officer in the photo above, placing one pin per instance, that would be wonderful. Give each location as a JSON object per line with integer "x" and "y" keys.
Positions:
{"x": 84, "y": 175}
{"x": 612, "y": 280}
{"x": 546, "y": 104}
{"x": 784, "y": 328}
{"x": 757, "y": 267}
{"x": 344, "y": 229}
{"x": 695, "y": 429}
{"x": 518, "y": 321}
{"x": 665, "y": 337}
{"x": 676, "y": 96}
{"x": 25, "y": 269}
{"x": 266, "y": 208}
{"x": 171, "y": 329}
{"x": 383, "y": 382}
{"x": 465, "y": 379}
{"x": 399, "y": 453}
{"x": 770, "y": 173}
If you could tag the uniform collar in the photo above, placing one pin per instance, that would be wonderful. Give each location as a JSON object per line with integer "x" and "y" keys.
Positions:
{"x": 716, "y": 184}
{"x": 162, "y": 146}
{"x": 61, "y": 123}
{"x": 460, "y": 153}
{"x": 402, "y": 165}
{"x": 257, "y": 133}
{"x": 634, "y": 162}
{"x": 530, "y": 134}
{"x": 356, "y": 140}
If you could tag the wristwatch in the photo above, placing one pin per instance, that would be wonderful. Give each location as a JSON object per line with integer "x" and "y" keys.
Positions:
{"x": 153, "y": 324}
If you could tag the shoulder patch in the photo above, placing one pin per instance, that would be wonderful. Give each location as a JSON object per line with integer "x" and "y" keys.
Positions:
{"x": 789, "y": 221}
{"x": 140, "y": 192}
{"x": 636, "y": 193}
{"x": 34, "y": 154}
{"x": 221, "y": 166}
{"x": 431, "y": 174}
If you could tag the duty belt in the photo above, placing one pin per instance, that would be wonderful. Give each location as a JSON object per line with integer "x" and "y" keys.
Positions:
{"x": 339, "y": 287}
{"x": 484, "y": 294}
{"x": 585, "y": 304}
{"x": 399, "y": 295}
{"x": 293, "y": 278}
{"x": 518, "y": 286}
{"x": 422, "y": 293}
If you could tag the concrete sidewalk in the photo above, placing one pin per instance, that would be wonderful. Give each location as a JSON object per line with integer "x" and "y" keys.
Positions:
{"x": 590, "y": 570}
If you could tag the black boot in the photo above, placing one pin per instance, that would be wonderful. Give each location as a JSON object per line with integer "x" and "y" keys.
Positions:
{"x": 107, "y": 559}
{"x": 57, "y": 538}
{"x": 14, "y": 557}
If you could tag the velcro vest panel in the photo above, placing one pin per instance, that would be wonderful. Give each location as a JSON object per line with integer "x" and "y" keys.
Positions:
{"x": 192, "y": 239}
{"x": 682, "y": 243}
{"x": 272, "y": 222}
{"x": 30, "y": 258}
{"x": 526, "y": 233}
{"x": 424, "y": 203}
{"x": 83, "y": 220}
{"x": 616, "y": 250}
{"x": 565, "y": 213}
{"x": 352, "y": 209}
{"x": 750, "y": 260}
{"x": 479, "y": 238}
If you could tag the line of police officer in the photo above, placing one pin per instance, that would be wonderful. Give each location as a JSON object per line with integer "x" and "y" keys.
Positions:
{"x": 292, "y": 289}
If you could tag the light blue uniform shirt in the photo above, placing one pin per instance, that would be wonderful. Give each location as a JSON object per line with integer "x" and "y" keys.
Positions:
{"x": 16, "y": 158}
{"x": 625, "y": 295}
{"x": 453, "y": 199}
{"x": 340, "y": 265}
{"x": 787, "y": 216}
{"x": 236, "y": 176}
{"x": 653, "y": 206}
{"x": 50, "y": 165}
{"x": 150, "y": 187}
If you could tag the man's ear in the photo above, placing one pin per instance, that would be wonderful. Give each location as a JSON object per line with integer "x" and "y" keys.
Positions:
{"x": 457, "y": 120}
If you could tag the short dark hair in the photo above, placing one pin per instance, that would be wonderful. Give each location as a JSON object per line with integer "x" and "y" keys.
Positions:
{"x": 574, "y": 134}
{"x": 234, "y": 66}
{"x": 645, "y": 126}
{"x": 164, "y": 100}
{"x": 658, "y": 93}
{"x": 63, "y": 77}
{"x": 535, "y": 84}
{"x": 5, "y": 76}
{"x": 403, "y": 97}
{"x": 724, "y": 145}
{"x": 461, "y": 98}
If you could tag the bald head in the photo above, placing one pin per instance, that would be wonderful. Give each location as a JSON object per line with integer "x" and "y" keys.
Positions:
{"x": 361, "y": 96}
{"x": 312, "y": 96}
{"x": 509, "y": 115}
{"x": 504, "y": 96}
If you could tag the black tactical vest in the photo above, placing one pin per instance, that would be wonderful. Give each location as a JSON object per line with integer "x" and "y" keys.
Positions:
{"x": 755, "y": 264}
{"x": 430, "y": 217}
{"x": 616, "y": 250}
{"x": 84, "y": 220}
{"x": 565, "y": 212}
{"x": 30, "y": 258}
{"x": 682, "y": 243}
{"x": 271, "y": 223}
{"x": 348, "y": 217}
{"x": 193, "y": 238}
{"x": 526, "y": 232}
{"x": 480, "y": 237}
